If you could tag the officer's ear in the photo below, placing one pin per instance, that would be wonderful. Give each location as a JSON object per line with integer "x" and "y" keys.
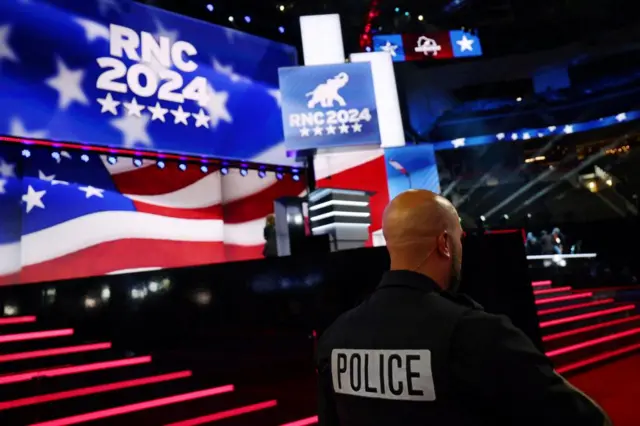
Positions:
{"x": 444, "y": 245}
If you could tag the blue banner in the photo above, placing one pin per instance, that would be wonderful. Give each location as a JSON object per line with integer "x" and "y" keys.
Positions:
{"x": 411, "y": 167}
{"x": 121, "y": 74}
{"x": 328, "y": 106}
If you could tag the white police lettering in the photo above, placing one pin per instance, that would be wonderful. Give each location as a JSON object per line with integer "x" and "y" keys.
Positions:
{"x": 402, "y": 374}
{"x": 332, "y": 121}
{"x": 151, "y": 73}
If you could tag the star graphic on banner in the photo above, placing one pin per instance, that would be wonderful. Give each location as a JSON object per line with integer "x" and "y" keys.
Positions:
{"x": 331, "y": 130}
{"x": 157, "y": 112}
{"x": 134, "y": 130}
{"x": 465, "y": 44}
{"x": 277, "y": 95}
{"x": 202, "y": 119}
{"x": 68, "y": 84}
{"x": 107, "y": 5}
{"x": 217, "y": 106}
{"x": 51, "y": 179}
{"x": 227, "y": 70}
{"x": 344, "y": 128}
{"x": 5, "y": 50}
{"x": 58, "y": 156}
{"x": 304, "y": 132}
{"x": 173, "y": 36}
{"x": 389, "y": 48}
{"x": 458, "y": 143}
{"x": 3, "y": 183}
{"x": 180, "y": 116}
{"x": 7, "y": 170}
{"x": 357, "y": 127}
{"x": 108, "y": 104}
{"x": 33, "y": 198}
{"x": 92, "y": 30}
{"x": 90, "y": 191}
{"x": 317, "y": 131}
{"x": 134, "y": 108}
{"x": 16, "y": 128}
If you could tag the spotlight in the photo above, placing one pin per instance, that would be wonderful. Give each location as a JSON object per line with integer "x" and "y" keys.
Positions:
{"x": 55, "y": 156}
{"x": 279, "y": 175}
{"x": 210, "y": 7}
{"x": 296, "y": 177}
{"x": 224, "y": 170}
{"x": 281, "y": 7}
{"x": 160, "y": 164}
{"x": 243, "y": 172}
{"x": 406, "y": 14}
{"x": 230, "y": 18}
{"x": 261, "y": 174}
{"x": 112, "y": 160}
{"x": 397, "y": 9}
{"x": 368, "y": 49}
{"x": 85, "y": 158}
{"x": 26, "y": 153}
{"x": 204, "y": 169}
{"x": 281, "y": 30}
{"x": 482, "y": 218}
{"x": 247, "y": 19}
{"x": 518, "y": 99}
{"x": 420, "y": 18}
{"x": 137, "y": 162}
{"x": 182, "y": 167}
{"x": 505, "y": 217}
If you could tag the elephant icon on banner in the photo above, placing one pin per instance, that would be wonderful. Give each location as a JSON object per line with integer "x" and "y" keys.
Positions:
{"x": 326, "y": 94}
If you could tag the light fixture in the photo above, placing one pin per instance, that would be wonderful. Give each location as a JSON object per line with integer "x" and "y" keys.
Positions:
{"x": 518, "y": 99}
{"x": 85, "y": 158}
{"x": 406, "y": 14}
{"x": 609, "y": 182}
{"x": 397, "y": 9}
{"x": 224, "y": 170}
{"x": 420, "y": 18}
{"x": 247, "y": 19}
{"x": 279, "y": 175}
{"x": 55, "y": 155}
{"x": 160, "y": 164}
{"x": 112, "y": 160}
{"x": 281, "y": 7}
{"x": 204, "y": 169}
{"x": 261, "y": 174}
{"x": 296, "y": 178}
{"x": 210, "y": 7}
{"x": 243, "y": 172}
{"x": 281, "y": 30}
{"x": 26, "y": 153}
{"x": 137, "y": 162}
{"x": 230, "y": 18}
{"x": 182, "y": 167}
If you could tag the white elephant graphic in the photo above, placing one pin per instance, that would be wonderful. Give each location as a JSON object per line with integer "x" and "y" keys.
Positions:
{"x": 327, "y": 93}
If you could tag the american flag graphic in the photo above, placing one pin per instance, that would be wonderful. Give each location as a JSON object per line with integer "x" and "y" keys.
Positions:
{"x": 67, "y": 214}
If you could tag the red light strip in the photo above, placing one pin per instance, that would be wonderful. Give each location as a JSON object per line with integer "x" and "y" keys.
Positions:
{"x": 74, "y": 369}
{"x": 124, "y": 409}
{"x": 541, "y": 283}
{"x": 551, "y": 290}
{"x": 226, "y": 414}
{"x": 56, "y": 351}
{"x": 304, "y": 422}
{"x": 598, "y": 358}
{"x": 17, "y": 320}
{"x": 74, "y": 393}
{"x": 574, "y": 307}
{"x": 35, "y": 335}
{"x": 563, "y": 298}
{"x": 589, "y": 315}
{"x": 593, "y": 342}
{"x": 560, "y": 335}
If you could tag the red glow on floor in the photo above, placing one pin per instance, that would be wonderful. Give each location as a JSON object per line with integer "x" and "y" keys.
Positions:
{"x": 588, "y": 315}
{"x": 124, "y": 409}
{"x": 210, "y": 418}
{"x": 562, "y": 334}
{"x": 35, "y": 335}
{"x": 74, "y": 369}
{"x": 574, "y": 307}
{"x": 551, "y": 290}
{"x": 541, "y": 283}
{"x": 304, "y": 422}
{"x": 563, "y": 298}
{"x": 598, "y": 358}
{"x": 55, "y": 351}
{"x": 17, "y": 320}
{"x": 593, "y": 342}
{"x": 74, "y": 393}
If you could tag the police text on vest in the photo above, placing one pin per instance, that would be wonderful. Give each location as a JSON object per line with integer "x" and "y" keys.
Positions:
{"x": 388, "y": 374}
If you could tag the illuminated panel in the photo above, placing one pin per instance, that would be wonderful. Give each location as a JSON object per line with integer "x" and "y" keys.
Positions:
{"x": 322, "y": 39}
{"x": 303, "y": 422}
{"x": 420, "y": 47}
{"x": 386, "y": 91}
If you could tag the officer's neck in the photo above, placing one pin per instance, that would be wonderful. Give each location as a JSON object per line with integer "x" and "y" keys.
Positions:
{"x": 434, "y": 274}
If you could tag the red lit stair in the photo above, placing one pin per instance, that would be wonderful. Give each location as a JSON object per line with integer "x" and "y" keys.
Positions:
{"x": 581, "y": 329}
{"x": 48, "y": 377}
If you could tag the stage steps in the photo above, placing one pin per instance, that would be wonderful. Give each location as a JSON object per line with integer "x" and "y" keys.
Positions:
{"x": 53, "y": 378}
{"x": 583, "y": 328}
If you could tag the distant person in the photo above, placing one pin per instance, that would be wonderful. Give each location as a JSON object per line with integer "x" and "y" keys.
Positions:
{"x": 415, "y": 353}
{"x": 558, "y": 240}
{"x": 270, "y": 246}
{"x": 532, "y": 246}
{"x": 546, "y": 243}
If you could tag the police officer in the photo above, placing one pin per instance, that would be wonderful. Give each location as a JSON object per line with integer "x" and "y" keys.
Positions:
{"x": 415, "y": 353}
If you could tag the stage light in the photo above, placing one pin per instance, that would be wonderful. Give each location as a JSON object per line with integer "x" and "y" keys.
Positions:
{"x": 55, "y": 156}
{"x": 526, "y": 136}
{"x": 420, "y": 18}
{"x": 609, "y": 182}
{"x": 160, "y": 164}
{"x": 406, "y": 14}
{"x": 204, "y": 169}
{"x": 482, "y": 218}
{"x": 281, "y": 30}
{"x": 552, "y": 128}
{"x": 568, "y": 129}
{"x": 230, "y": 18}
{"x": 397, "y": 9}
{"x": 621, "y": 117}
{"x": 247, "y": 19}
{"x": 112, "y": 160}
{"x": 137, "y": 162}
{"x": 261, "y": 174}
{"x": 85, "y": 158}
{"x": 518, "y": 99}
{"x": 367, "y": 49}
{"x": 154, "y": 286}
{"x": 505, "y": 217}
{"x": 500, "y": 136}
{"x": 243, "y": 172}
{"x": 182, "y": 167}
{"x": 281, "y": 7}
{"x": 26, "y": 153}
{"x": 224, "y": 170}
{"x": 296, "y": 177}
{"x": 279, "y": 175}
{"x": 210, "y": 7}
{"x": 514, "y": 136}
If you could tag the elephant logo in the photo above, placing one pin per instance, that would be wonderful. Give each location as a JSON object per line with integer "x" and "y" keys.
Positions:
{"x": 326, "y": 94}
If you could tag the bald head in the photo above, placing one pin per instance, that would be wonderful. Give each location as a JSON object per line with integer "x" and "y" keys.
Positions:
{"x": 422, "y": 231}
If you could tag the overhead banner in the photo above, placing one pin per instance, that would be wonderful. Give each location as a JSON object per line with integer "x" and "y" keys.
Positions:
{"x": 420, "y": 47}
{"x": 328, "y": 106}
{"x": 122, "y": 74}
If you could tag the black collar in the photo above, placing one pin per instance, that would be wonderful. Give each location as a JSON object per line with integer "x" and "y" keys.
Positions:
{"x": 410, "y": 279}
